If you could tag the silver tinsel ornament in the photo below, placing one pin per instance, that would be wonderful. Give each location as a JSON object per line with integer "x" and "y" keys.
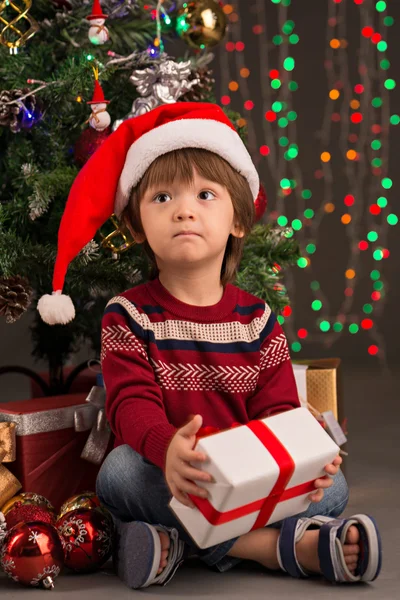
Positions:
{"x": 164, "y": 83}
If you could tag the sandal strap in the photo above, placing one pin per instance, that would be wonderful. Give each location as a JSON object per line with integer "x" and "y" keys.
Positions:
{"x": 176, "y": 555}
{"x": 292, "y": 530}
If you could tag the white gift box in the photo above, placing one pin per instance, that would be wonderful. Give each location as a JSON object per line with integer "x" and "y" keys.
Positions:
{"x": 263, "y": 472}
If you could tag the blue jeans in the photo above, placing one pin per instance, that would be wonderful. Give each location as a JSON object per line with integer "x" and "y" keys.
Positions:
{"x": 134, "y": 489}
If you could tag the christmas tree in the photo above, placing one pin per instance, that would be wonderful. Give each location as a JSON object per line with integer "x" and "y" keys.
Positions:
{"x": 71, "y": 72}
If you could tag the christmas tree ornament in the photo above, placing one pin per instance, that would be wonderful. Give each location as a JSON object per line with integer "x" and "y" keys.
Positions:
{"x": 99, "y": 119}
{"x": 164, "y": 83}
{"x": 87, "y": 539}
{"x": 203, "y": 88}
{"x": 15, "y": 297}
{"x": 28, "y": 513}
{"x": 201, "y": 23}
{"x": 260, "y": 203}
{"x": 88, "y": 142}
{"x": 106, "y": 181}
{"x": 17, "y": 25}
{"x": 112, "y": 231}
{"x": 19, "y": 109}
{"x": 84, "y": 500}
{"x": 98, "y": 32}
{"x": 28, "y": 499}
{"x": 32, "y": 554}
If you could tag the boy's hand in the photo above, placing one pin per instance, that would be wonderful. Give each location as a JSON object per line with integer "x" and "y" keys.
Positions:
{"x": 326, "y": 482}
{"x": 179, "y": 474}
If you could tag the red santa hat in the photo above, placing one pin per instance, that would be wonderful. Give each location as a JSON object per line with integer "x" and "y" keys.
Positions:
{"x": 97, "y": 13}
{"x": 98, "y": 95}
{"x": 102, "y": 187}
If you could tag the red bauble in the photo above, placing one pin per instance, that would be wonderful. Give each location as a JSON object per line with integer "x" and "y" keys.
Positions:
{"x": 32, "y": 554}
{"x": 260, "y": 203}
{"x": 87, "y": 537}
{"x": 27, "y": 513}
{"x": 89, "y": 141}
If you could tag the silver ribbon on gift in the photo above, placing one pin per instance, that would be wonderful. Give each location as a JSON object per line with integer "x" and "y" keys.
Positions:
{"x": 94, "y": 419}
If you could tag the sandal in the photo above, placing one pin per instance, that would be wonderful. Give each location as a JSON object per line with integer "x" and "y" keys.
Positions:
{"x": 330, "y": 547}
{"x": 137, "y": 554}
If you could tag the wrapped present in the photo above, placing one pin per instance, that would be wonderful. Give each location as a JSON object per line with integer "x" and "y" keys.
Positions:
{"x": 9, "y": 485}
{"x": 319, "y": 385}
{"x": 60, "y": 443}
{"x": 263, "y": 472}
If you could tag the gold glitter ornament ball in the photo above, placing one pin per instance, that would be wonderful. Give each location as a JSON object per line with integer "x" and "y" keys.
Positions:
{"x": 28, "y": 499}
{"x": 201, "y": 23}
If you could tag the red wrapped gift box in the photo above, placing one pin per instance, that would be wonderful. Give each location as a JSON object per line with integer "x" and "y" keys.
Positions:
{"x": 52, "y": 433}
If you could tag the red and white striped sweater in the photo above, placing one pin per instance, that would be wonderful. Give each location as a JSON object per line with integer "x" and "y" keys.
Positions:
{"x": 164, "y": 360}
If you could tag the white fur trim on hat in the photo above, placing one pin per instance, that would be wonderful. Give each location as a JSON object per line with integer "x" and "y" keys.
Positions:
{"x": 56, "y": 308}
{"x": 208, "y": 134}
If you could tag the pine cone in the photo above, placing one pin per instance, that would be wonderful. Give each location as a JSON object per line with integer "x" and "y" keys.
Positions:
{"x": 13, "y": 115}
{"x": 15, "y": 297}
{"x": 202, "y": 90}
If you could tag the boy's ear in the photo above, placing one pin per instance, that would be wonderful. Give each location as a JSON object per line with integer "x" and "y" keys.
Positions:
{"x": 237, "y": 231}
{"x": 139, "y": 238}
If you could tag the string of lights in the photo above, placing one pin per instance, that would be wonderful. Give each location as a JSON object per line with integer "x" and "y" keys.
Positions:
{"x": 352, "y": 144}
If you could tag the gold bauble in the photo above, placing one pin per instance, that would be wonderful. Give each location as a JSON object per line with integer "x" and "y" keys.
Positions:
{"x": 201, "y": 23}
{"x": 83, "y": 500}
{"x": 26, "y": 498}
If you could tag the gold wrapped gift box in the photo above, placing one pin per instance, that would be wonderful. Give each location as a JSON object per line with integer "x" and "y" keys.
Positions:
{"x": 324, "y": 389}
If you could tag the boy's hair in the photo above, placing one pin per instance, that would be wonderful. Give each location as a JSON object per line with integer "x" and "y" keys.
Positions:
{"x": 178, "y": 166}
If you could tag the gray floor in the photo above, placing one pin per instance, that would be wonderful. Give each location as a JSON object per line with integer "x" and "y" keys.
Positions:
{"x": 373, "y": 475}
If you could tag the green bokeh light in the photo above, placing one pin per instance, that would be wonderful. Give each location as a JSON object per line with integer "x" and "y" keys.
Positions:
{"x": 276, "y": 84}
{"x": 380, "y": 6}
{"x": 283, "y": 122}
{"x": 372, "y": 236}
{"x": 337, "y": 326}
{"x": 282, "y": 221}
{"x": 382, "y": 201}
{"x": 392, "y": 219}
{"x": 309, "y": 213}
{"x": 314, "y": 285}
{"x": 388, "y": 21}
{"x": 368, "y": 309}
{"x": 382, "y": 46}
{"x": 316, "y": 305}
{"x": 289, "y": 63}
{"x": 296, "y": 346}
{"x": 353, "y": 328}
{"x": 283, "y": 141}
{"x": 294, "y": 38}
{"x": 395, "y": 119}
{"x": 281, "y": 320}
{"x": 297, "y": 224}
{"x": 376, "y": 102}
{"x": 375, "y": 275}
{"x": 292, "y": 115}
{"x": 376, "y": 162}
{"x": 390, "y": 84}
{"x": 277, "y": 40}
{"x": 378, "y": 254}
{"x": 288, "y": 27}
{"x": 386, "y": 183}
{"x": 325, "y": 326}
{"x": 277, "y": 106}
{"x": 293, "y": 86}
{"x": 292, "y": 152}
{"x": 376, "y": 144}
{"x": 302, "y": 262}
{"x": 285, "y": 183}
{"x": 378, "y": 285}
{"x": 311, "y": 248}
{"x": 385, "y": 64}
{"x": 306, "y": 194}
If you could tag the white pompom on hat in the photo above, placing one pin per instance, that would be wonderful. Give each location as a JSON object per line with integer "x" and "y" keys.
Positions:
{"x": 102, "y": 187}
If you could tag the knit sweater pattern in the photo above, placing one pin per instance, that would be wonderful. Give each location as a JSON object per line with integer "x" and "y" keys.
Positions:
{"x": 164, "y": 361}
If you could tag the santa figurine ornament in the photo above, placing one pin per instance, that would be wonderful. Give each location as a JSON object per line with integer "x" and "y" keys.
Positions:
{"x": 98, "y": 32}
{"x": 103, "y": 185}
{"x": 99, "y": 119}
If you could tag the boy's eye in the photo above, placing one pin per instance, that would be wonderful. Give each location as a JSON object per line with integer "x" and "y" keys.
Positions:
{"x": 205, "y": 192}
{"x": 161, "y": 197}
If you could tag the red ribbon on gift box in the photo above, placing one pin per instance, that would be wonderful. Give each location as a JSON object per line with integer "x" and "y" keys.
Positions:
{"x": 279, "y": 493}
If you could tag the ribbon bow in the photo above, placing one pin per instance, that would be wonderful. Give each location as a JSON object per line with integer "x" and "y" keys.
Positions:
{"x": 9, "y": 485}
{"x": 94, "y": 419}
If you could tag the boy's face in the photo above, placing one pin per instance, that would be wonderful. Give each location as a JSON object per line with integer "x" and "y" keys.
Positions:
{"x": 204, "y": 207}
